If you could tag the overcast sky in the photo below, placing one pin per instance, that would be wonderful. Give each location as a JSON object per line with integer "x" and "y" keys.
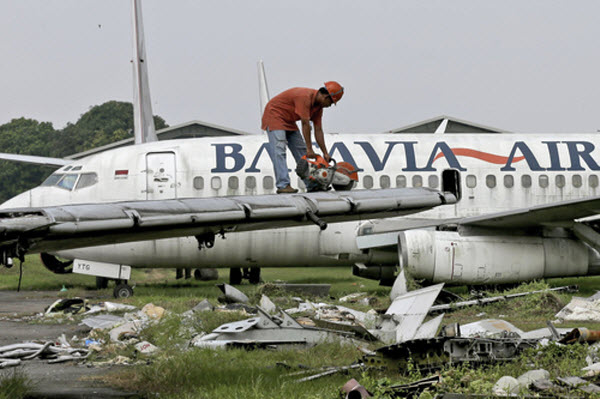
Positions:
{"x": 530, "y": 66}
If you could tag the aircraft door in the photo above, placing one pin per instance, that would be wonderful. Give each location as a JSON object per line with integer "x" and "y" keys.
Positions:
{"x": 161, "y": 177}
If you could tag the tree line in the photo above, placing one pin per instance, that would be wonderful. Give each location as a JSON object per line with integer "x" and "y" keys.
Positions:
{"x": 102, "y": 124}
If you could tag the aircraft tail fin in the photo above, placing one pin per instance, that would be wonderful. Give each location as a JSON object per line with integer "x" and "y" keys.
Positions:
{"x": 143, "y": 122}
{"x": 263, "y": 89}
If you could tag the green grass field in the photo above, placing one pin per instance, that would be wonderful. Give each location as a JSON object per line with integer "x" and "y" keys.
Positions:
{"x": 180, "y": 372}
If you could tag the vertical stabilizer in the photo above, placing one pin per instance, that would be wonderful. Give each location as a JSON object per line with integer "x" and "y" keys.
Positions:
{"x": 263, "y": 90}
{"x": 143, "y": 122}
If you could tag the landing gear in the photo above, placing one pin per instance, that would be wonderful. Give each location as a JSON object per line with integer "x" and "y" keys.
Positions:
{"x": 252, "y": 274}
{"x": 123, "y": 290}
{"x": 235, "y": 276}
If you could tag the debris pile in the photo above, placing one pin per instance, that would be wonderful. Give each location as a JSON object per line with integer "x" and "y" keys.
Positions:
{"x": 13, "y": 355}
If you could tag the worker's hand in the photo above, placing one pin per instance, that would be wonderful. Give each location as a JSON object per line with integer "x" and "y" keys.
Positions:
{"x": 327, "y": 157}
{"x": 310, "y": 154}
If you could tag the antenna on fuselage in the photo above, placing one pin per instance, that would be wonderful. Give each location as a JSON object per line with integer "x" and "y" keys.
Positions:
{"x": 263, "y": 89}
{"x": 143, "y": 122}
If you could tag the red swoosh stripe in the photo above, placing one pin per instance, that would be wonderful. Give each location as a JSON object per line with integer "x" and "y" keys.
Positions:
{"x": 484, "y": 156}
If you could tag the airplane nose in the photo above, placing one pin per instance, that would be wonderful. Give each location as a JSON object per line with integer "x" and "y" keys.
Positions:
{"x": 22, "y": 200}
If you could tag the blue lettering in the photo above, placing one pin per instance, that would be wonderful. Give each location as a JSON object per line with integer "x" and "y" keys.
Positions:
{"x": 264, "y": 147}
{"x": 448, "y": 154}
{"x": 527, "y": 154}
{"x": 554, "y": 156}
{"x": 377, "y": 163}
{"x": 584, "y": 154}
{"x": 222, "y": 155}
{"x": 345, "y": 154}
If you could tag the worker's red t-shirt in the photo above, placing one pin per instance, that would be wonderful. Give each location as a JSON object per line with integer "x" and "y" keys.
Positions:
{"x": 282, "y": 112}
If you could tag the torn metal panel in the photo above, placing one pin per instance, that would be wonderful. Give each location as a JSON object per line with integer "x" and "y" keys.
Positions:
{"x": 358, "y": 390}
{"x": 429, "y": 329}
{"x": 102, "y": 321}
{"x": 232, "y": 294}
{"x": 488, "y": 327}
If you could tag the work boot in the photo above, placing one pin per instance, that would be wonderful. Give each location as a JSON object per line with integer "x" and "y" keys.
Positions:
{"x": 287, "y": 190}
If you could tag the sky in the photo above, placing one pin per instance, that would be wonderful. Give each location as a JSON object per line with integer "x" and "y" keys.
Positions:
{"x": 523, "y": 66}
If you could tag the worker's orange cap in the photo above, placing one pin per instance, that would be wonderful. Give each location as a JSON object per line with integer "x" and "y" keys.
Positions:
{"x": 336, "y": 91}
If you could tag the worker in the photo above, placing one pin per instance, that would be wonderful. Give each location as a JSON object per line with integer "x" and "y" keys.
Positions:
{"x": 279, "y": 120}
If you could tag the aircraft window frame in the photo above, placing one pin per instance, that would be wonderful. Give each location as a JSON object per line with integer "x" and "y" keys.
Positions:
{"x": 509, "y": 181}
{"x": 55, "y": 179}
{"x": 216, "y": 183}
{"x": 83, "y": 181}
{"x": 76, "y": 168}
{"x": 526, "y": 181}
{"x": 471, "y": 181}
{"x": 198, "y": 183}
{"x": 401, "y": 181}
{"x": 67, "y": 168}
{"x": 384, "y": 181}
{"x": 433, "y": 181}
{"x": 250, "y": 182}
{"x": 577, "y": 181}
{"x": 233, "y": 182}
{"x": 268, "y": 182}
{"x": 417, "y": 181}
{"x": 560, "y": 181}
{"x": 69, "y": 184}
{"x": 368, "y": 181}
{"x": 544, "y": 181}
{"x": 490, "y": 181}
{"x": 593, "y": 181}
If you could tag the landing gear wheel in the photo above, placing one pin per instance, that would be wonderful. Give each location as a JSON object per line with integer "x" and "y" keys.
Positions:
{"x": 101, "y": 283}
{"x": 123, "y": 291}
{"x": 235, "y": 276}
{"x": 254, "y": 276}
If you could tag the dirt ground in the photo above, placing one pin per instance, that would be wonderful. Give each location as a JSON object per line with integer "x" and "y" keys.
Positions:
{"x": 63, "y": 380}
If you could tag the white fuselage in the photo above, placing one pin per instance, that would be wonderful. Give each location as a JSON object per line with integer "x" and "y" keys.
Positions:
{"x": 499, "y": 172}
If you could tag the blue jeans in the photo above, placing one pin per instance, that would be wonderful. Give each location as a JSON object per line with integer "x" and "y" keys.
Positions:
{"x": 279, "y": 140}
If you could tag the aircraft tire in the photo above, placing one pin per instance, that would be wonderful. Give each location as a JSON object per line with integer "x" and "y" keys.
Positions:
{"x": 254, "y": 276}
{"x": 123, "y": 291}
{"x": 235, "y": 276}
{"x": 101, "y": 283}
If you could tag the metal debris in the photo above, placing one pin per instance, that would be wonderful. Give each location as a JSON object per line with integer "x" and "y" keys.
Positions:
{"x": 354, "y": 390}
{"x": 484, "y": 301}
{"x": 12, "y": 355}
{"x": 203, "y": 306}
{"x": 102, "y": 321}
{"x": 67, "y": 306}
{"x": 580, "y": 335}
{"x": 232, "y": 294}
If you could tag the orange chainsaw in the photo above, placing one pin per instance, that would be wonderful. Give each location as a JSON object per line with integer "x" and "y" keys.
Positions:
{"x": 322, "y": 176}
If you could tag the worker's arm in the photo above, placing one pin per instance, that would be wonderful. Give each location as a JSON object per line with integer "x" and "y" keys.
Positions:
{"x": 320, "y": 137}
{"x": 306, "y": 134}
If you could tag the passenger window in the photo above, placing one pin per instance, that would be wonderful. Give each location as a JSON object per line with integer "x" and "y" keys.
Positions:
{"x": 593, "y": 181}
{"x": 577, "y": 181}
{"x": 526, "y": 181}
{"x": 433, "y": 181}
{"x": 52, "y": 179}
{"x": 87, "y": 180}
{"x": 368, "y": 181}
{"x": 543, "y": 181}
{"x": 384, "y": 181}
{"x": 490, "y": 181}
{"x": 215, "y": 183}
{"x": 400, "y": 181}
{"x": 199, "y": 183}
{"x": 268, "y": 183}
{"x": 233, "y": 182}
{"x": 417, "y": 181}
{"x": 509, "y": 181}
{"x": 471, "y": 181}
{"x": 560, "y": 181}
{"x": 68, "y": 181}
{"x": 251, "y": 182}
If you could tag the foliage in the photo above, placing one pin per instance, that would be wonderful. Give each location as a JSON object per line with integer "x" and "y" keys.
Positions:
{"x": 14, "y": 384}
{"x": 101, "y": 125}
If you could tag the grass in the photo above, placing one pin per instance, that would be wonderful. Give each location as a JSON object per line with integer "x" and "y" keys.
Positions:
{"x": 181, "y": 372}
{"x": 14, "y": 384}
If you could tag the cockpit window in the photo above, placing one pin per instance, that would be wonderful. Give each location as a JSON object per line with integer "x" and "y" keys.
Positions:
{"x": 86, "y": 180}
{"x": 76, "y": 168}
{"x": 68, "y": 181}
{"x": 52, "y": 179}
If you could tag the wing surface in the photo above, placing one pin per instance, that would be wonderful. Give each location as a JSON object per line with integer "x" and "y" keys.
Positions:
{"x": 55, "y": 228}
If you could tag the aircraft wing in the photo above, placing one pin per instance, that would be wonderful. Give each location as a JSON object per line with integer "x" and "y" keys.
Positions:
{"x": 44, "y": 161}
{"x": 556, "y": 214}
{"x": 48, "y": 229}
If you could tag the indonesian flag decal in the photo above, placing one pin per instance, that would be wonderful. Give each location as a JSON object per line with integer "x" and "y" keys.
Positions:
{"x": 121, "y": 174}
